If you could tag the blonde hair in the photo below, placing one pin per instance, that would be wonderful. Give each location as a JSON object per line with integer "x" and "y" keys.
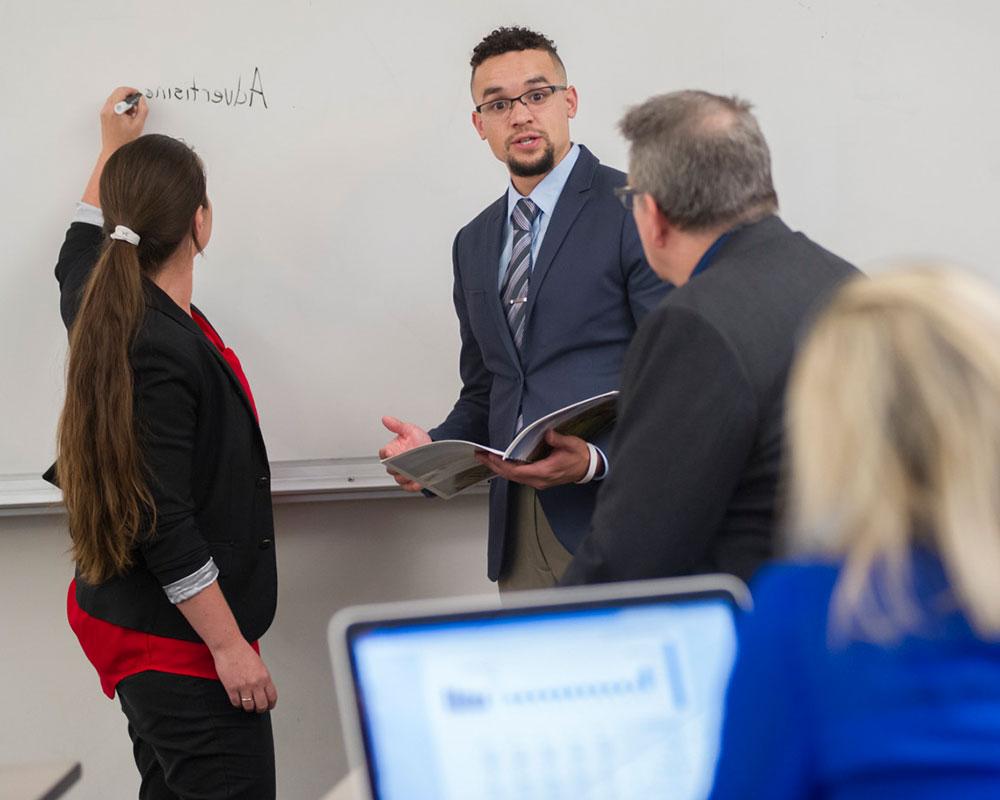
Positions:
{"x": 894, "y": 429}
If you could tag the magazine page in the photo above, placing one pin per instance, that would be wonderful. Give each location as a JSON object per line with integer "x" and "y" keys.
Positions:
{"x": 585, "y": 419}
{"x": 444, "y": 468}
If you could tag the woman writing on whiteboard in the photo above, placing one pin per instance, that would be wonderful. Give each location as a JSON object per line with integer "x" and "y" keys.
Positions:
{"x": 870, "y": 667}
{"x": 165, "y": 477}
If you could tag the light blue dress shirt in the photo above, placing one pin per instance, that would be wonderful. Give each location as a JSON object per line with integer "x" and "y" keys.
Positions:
{"x": 545, "y": 196}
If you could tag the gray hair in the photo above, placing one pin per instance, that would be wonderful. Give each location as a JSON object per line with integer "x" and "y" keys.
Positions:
{"x": 702, "y": 157}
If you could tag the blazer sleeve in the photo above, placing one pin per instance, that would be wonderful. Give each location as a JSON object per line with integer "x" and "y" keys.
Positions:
{"x": 686, "y": 425}
{"x": 77, "y": 257}
{"x": 469, "y": 419}
{"x": 766, "y": 733}
{"x": 166, "y": 398}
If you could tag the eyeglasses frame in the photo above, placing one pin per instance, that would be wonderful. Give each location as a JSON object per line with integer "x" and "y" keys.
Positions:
{"x": 553, "y": 86}
{"x": 626, "y": 195}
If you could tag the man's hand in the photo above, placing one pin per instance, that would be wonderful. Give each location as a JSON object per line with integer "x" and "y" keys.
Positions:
{"x": 408, "y": 436}
{"x": 567, "y": 463}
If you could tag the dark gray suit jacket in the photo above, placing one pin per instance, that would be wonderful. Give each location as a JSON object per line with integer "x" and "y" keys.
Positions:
{"x": 697, "y": 451}
{"x": 589, "y": 288}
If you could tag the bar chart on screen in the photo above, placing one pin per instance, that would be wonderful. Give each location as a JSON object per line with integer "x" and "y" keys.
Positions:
{"x": 618, "y": 725}
{"x": 589, "y": 704}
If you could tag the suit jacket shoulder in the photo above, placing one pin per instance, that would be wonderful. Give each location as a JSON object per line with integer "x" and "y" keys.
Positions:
{"x": 168, "y": 333}
{"x": 608, "y": 178}
{"x": 587, "y": 173}
{"x": 765, "y": 285}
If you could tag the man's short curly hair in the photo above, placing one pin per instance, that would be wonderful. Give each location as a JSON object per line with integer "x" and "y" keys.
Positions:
{"x": 507, "y": 40}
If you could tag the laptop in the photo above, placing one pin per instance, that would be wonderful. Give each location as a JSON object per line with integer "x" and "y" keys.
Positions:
{"x": 612, "y": 691}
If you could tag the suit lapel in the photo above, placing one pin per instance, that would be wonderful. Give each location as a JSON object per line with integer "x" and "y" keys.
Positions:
{"x": 574, "y": 197}
{"x": 221, "y": 359}
{"x": 159, "y": 300}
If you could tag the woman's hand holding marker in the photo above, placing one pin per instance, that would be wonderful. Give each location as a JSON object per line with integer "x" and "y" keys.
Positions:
{"x": 117, "y": 128}
{"x": 128, "y": 103}
{"x": 121, "y": 127}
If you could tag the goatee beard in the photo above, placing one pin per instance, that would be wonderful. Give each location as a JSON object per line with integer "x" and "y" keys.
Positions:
{"x": 543, "y": 166}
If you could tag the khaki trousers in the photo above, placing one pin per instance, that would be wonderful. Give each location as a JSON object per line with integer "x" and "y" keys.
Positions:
{"x": 535, "y": 558}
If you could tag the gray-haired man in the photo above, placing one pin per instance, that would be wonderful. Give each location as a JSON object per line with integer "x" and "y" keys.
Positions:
{"x": 697, "y": 447}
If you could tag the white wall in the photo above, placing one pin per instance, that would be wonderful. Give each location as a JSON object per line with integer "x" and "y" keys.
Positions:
{"x": 335, "y": 207}
{"x": 329, "y": 555}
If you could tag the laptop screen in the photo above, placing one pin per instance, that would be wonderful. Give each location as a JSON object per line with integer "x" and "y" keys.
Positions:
{"x": 616, "y": 700}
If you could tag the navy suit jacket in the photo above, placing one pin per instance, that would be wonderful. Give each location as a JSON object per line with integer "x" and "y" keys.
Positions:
{"x": 590, "y": 286}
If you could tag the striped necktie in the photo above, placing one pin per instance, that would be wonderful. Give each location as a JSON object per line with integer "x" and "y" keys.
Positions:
{"x": 514, "y": 291}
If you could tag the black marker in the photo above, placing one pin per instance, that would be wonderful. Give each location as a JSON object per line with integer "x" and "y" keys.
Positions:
{"x": 129, "y": 102}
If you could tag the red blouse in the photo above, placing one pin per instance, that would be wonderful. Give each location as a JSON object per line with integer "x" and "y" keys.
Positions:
{"x": 118, "y": 652}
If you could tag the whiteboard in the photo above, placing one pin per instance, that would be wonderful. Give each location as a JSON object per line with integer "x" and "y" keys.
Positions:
{"x": 336, "y": 204}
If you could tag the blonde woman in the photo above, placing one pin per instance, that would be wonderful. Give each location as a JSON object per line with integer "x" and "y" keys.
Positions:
{"x": 870, "y": 667}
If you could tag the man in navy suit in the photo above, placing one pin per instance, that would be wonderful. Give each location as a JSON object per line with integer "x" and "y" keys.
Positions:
{"x": 550, "y": 285}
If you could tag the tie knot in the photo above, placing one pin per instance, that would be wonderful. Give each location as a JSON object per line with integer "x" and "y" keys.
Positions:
{"x": 524, "y": 214}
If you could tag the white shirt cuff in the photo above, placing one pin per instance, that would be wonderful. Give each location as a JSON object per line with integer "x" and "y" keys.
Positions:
{"x": 89, "y": 214}
{"x": 186, "y": 588}
{"x": 607, "y": 466}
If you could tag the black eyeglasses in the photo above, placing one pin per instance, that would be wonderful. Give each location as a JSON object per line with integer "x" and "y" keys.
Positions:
{"x": 626, "y": 194}
{"x": 539, "y": 96}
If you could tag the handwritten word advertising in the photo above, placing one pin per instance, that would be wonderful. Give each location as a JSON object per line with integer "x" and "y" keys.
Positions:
{"x": 232, "y": 96}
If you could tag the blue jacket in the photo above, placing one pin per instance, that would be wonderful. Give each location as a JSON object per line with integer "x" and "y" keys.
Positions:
{"x": 805, "y": 717}
{"x": 589, "y": 288}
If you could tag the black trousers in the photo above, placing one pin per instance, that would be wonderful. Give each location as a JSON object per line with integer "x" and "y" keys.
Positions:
{"x": 189, "y": 743}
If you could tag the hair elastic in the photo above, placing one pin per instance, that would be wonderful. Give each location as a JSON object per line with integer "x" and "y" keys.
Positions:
{"x": 124, "y": 234}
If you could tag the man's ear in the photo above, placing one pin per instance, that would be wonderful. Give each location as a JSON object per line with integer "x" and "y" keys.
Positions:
{"x": 659, "y": 226}
{"x": 477, "y": 123}
{"x": 572, "y": 101}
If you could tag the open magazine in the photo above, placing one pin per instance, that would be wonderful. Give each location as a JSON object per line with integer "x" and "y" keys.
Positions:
{"x": 449, "y": 467}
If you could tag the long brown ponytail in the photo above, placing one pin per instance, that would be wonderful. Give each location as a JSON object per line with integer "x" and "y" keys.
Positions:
{"x": 153, "y": 185}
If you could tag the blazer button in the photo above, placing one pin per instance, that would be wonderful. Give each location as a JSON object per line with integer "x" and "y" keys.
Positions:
{"x": 263, "y": 481}
{"x": 265, "y": 544}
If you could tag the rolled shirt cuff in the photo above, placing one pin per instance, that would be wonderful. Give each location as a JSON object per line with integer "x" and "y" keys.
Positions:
{"x": 601, "y": 475}
{"x": 89, "y": 214}
{"x": 186, "y": 588}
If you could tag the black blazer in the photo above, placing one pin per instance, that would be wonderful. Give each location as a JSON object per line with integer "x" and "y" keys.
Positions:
{"x": 697, "y": 451}
{"x": 588, "y": 290}
{"x": 206, "y": 464}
